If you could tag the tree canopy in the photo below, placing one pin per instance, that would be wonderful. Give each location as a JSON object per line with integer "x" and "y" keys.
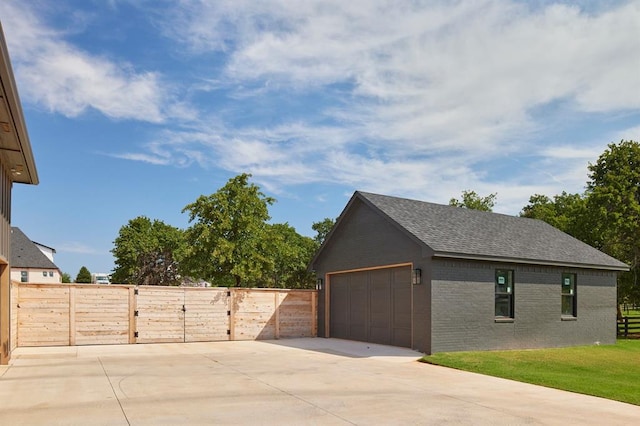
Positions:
{"x": 227, "y": 238}
{"x": 147, "y": 252}
{"x": 471, "y": 200}
{"x": 84, "y": 276}
{"x": 567, "y": 212}
{"x": 322, "y": 229}
{"x": 613, "y": 198}
{"x": 290, "y": 254}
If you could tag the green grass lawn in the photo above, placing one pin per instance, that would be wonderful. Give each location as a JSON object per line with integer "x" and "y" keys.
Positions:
{"x": 609, "y": 371}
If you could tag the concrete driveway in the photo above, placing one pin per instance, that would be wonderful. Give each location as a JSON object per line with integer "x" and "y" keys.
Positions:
{"x": 299, "y": 381}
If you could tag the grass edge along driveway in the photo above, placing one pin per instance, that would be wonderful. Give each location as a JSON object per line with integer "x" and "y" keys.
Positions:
{"x": 607, "y": 371}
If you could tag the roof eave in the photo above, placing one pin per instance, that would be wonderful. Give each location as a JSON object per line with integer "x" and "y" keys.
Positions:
{"x": 15, "y": 110}
{"x": 464, "y": 256}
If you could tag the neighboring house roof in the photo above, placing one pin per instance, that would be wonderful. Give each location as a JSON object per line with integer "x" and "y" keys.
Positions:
{"x": 462, "y": 233}
{"x": 25, "y": 254}
{"x": 44, "y": 246}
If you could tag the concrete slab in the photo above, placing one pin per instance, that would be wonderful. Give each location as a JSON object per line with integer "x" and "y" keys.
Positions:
{"x": 297, "y": 381}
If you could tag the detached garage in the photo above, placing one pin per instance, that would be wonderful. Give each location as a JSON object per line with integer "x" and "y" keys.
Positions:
{"x": 438, "y": 278}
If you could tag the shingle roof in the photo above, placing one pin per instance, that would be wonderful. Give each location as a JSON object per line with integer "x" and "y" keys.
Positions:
{"x": 463, "y": 233}
{"x": 25, "y": 254}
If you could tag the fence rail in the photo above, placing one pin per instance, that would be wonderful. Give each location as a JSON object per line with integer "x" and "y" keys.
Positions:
{"x": 74, "y": 314}
{"x": 629, "y": 326}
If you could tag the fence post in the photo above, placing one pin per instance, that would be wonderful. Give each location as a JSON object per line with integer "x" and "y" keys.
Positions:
{"x": 626, "y": 326}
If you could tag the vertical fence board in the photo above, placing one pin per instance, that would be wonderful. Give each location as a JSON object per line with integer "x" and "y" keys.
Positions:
{"x": 132, "y": 317}
{"x": 101, "y": 314}
{"x": 43, "y": 315}
{"x": 14, "y": 316}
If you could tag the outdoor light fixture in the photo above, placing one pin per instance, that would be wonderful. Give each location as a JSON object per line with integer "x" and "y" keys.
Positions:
{"x": 416, "y": 276}
{"x": 319, "y": 284}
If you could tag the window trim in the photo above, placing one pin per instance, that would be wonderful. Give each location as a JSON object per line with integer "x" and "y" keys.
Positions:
{"x": 510, "y": 293}
{"x": 574, "y": 296}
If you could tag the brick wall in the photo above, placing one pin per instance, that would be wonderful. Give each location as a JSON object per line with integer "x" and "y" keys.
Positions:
{"x": 463, "y": 316}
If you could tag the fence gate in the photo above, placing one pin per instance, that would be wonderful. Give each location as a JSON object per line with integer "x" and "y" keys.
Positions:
{"x": 206, "y": 316}
{"x": 160, "y": 315}
{"x": 166, "y": 315}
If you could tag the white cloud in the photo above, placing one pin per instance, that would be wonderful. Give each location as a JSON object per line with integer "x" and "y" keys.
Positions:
{"x": 69, "y": 81}
{"x": 417, "y": 96}
{"x": 76, "y": 247}
{"x": 430, "y": 75}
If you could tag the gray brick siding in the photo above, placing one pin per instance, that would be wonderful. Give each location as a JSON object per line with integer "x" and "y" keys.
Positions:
{"x": 463, "y": 316}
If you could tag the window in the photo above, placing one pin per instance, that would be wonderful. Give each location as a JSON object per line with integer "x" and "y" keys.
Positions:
{"x": 44, "y": 273}
{"x": 24, "y": 277}
{"x": 569, "y": 305}
{"x": 50, "y": 273}
{"x": 504, "y": 293}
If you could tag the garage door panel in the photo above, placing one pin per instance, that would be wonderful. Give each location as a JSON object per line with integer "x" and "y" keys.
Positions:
{"x": 339, "y": 307}
{"x": 401, "y": 337}
{"x": 372, "y": 306}
{"x": 358, "y": 308}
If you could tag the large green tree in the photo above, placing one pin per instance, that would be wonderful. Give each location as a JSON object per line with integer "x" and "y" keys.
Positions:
{"x": 567, "y": 212}
{"x": 289, "y": 254}
{"x": 613, "y": 197}
{"x": 322, "y": 229}
{"x": 227, "y": 241}
{"x": 84, "y": 276}
{"x": 471, "y": 200}
{"x": 147, "y": 252}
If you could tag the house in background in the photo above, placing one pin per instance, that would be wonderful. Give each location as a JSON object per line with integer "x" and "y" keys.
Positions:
{"x": 16, "y": 165}
{"x": 29, "y": 263}
{"x": 48, "y": 251}
{"x": 439, "y": 278}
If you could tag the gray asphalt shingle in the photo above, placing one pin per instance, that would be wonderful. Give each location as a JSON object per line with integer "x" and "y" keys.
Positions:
{"x": 455, "y": 231}
{"x": 25, "y": 254}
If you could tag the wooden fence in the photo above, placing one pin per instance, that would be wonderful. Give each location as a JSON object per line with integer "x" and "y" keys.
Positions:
{"x": 90, "y": 314}
{"x": 629, "y": 326}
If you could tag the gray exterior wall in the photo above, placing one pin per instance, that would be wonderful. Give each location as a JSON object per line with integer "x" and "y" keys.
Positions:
{"x": 364, "y": 239}
{"x": 463, "y": 316}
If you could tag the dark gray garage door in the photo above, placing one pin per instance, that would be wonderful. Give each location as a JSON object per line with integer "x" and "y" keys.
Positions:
{"x": 372, "y": 306}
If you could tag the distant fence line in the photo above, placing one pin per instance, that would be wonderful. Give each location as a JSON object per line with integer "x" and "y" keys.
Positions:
{"x": 628, "y": 325}
{"x": 90, "y": 314}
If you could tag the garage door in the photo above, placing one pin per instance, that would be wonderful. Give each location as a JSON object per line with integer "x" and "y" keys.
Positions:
{"x": 372, "y": 306}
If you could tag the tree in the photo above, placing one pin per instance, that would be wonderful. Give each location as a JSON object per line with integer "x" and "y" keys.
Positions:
{"x": 226, "y": 243}
{"x": 322, "y": 229}
{"x": 84, "y": 276}
{"x": 613, "y": 196}
{"x": 471, "y": 200}
{"x": 290, "y": 254}
{"x": 567, "y": 212}
{"x": 66, "y": 278}
{"x": 147, "y": 252}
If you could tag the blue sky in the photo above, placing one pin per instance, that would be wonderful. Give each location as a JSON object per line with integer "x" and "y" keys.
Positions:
{"x": 137, "y": 107}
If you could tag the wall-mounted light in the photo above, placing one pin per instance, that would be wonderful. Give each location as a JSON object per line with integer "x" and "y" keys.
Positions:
{"x": 416, "y": 276}
{"x": 17, "y": 170}
{"x": 319, "y": 283}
